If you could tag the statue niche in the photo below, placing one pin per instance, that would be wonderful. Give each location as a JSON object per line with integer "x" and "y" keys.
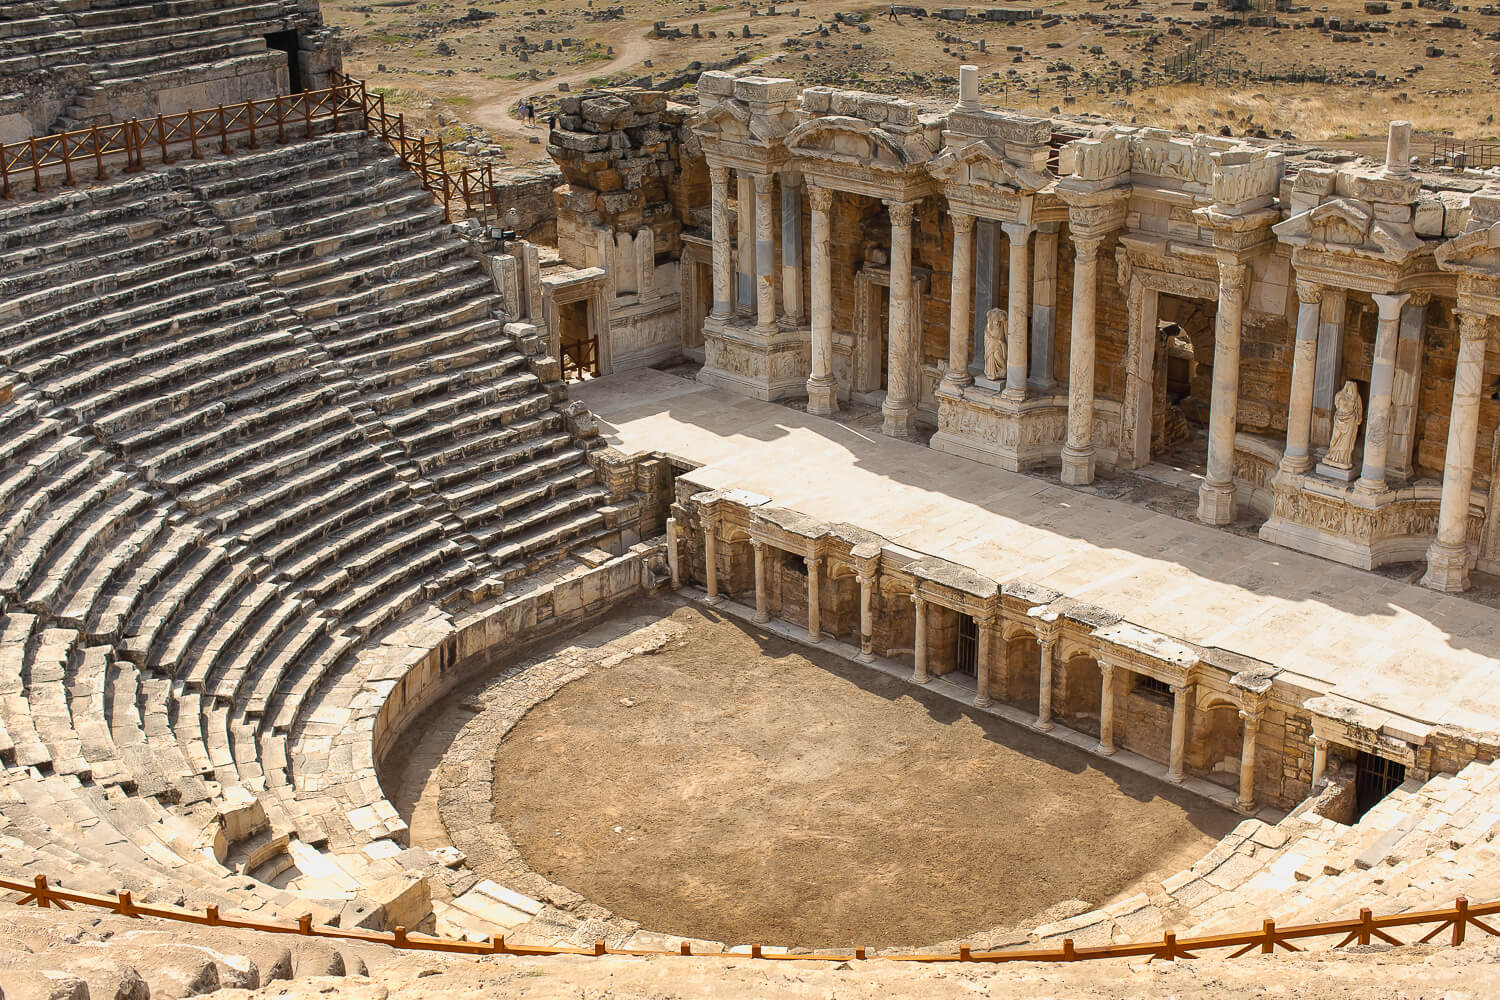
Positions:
{"x": 1348, "y": 410}
{"x": 994, "y": 345}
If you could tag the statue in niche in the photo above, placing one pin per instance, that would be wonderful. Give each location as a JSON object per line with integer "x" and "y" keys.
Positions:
{"x": 1348, "y": 410}
{"x": 994, "y": 345}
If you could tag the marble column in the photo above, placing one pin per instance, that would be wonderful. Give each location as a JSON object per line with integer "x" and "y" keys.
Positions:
{"x": 762, "y": 598}
{"x": 1044, "y": 683}
{"x": 744, "y": 293}
{"x": 986, "y": 627}
{"x": 765, "y": 255}
{"x": 900, "y": 407}
{"x": 1448, "y": 556}
{"x": 1297, "y": 458}
{"x": 723, "y": 293}
{"x": 1407, "y": 387}
{"x": 1378, "y": 410}
{"x": 1106, "y": 708}
{"x": 919, "y": 641}
{"x": 1044, "y": 307}
{"x": 791, "y": 248}
{"x": 1216, "y": 494}
{"x": 1078, "y": 452}
{"x": 1018, "y": 310}
{"x": 1182, "y": 698}
{"x": 711, "y": 561}
{"x": 1250, "y": 721}
{"x": 822, "y": 393}
{"x": 1320, "y": 760}
{"x": 674, "y": 565}
{"x": 960, "y": 305}
{"x": 814, "y": 597}
{"x": 866, "y": 618}
{"x": 1330, "y": 362}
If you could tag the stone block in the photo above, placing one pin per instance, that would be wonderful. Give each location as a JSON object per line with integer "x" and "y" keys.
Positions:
{"x": 764, "y": 89}
{"x": 716, "y": 82}
{"x": 1428, "y": 218}
{"x": 816, "y": 100}
{"x": 845, "y": 102}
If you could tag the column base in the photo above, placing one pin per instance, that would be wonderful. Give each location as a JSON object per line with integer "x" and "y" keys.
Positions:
{"x": 713, "y": 599}
{"x": 814, "y": 636}
{"x": 1245, "y": 808}
{"x": 1043, "y": 725}
{"x": 1447, "y": 568}
{"x": 953, "y": 386}
{"x": 1176, "y": 779}
{"x": 983, "y": 702}
{"x": 900, "y": 421}
{"x": 761, "y": 618}
{"x": 920, "y": 677}
{"x": 1105, "y": 751}
{"x": 1370, "y": 488}
{"x": 1216, "y": 503}
{"x": 1077, "y": 466}
{"x": 865, "y": 656}
{"x": 822, "y": 397}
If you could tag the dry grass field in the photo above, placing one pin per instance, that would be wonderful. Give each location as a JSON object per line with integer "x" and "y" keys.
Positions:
{"x": 1318, "y": 73}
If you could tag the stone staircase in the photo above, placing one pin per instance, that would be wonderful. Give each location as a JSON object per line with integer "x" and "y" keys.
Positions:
{"x": 230, "y": 397}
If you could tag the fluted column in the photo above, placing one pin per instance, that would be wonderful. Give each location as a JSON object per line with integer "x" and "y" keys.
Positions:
{"x": 822, "y": 395}
{"x": 919, "y": 641}
{"x": 1216, "y": 494}
{"x": 711, "y": 560}
{"x": 1078, "y": 452}
{"x": 1106, "y": 708}
{"x": 723, "y": 293}
{"x": 814, "y": 597}
{"x": 1182, "y": 697}
{"x": 1250, "y": 721}
{"x": 791, "y": 248}
{"x": 1382, "y": 378}
{"x": 762, "y": 598}
{"x": 765, "y": 255}
{"x": 960, "y": 304}
{"x": 1018, "y": 310}
{"x": 866, "y": 618}
{"x": 986, "y": 627}
{"x": 1448, "y": 556}
{"x": 900, "y": 407}
{"x": 1047, "y": 641}
{"x": 744, "y": 292}
{"x": 1297, "y": 458}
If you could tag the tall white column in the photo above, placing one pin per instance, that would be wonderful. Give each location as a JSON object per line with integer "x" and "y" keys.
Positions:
{"x": 762, "y": 598}
{"x": 1297, "y": 458}
{"x": 1320, "y": 760}
{"x": 765, "y": 255}
{"x": 711, "y": 560}
{"x": 1047, "y": 641}
{"x": 1448, "y": 556}
{"x": 674, "y": 565}
{"x": 1326, "y": 380}
{"x": 1382, "y": 378}
{"x": 960, "y": 304}
{"x": 1182, "y": 698}
{"x": 791, "y": 248}
{"x": 1250, "y": 721}
{"x": 744, "y": 293}
{"x": 719, "y": 189}
{"x": 822, "y": 394}
{"x": 986, "y": 627}
{"x": 814, "y": 592}
{"x": 1043, "y": 307}
{"x": 900, "y": 408}
{"x": 1216, "y": 494}
{"x": 866, "y": 618}
{"x": 1078, "y": 452}
{"x": 919, "y": 641}
{"x": 1106, "y": 708}
{"x": 1018, "y": 310}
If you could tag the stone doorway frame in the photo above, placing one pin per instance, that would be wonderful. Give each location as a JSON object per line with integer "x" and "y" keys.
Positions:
{"x": 696, "y": 262}
{"x": 588, "y": 285}
{"x": 870, "y": 348}
{"x": 1148, "y": 269}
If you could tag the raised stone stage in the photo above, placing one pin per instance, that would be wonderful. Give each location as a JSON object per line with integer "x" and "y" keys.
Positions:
{"x": 1428, "y": 658}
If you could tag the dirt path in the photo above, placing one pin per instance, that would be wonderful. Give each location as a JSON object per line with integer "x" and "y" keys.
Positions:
{"x": 731, "y": 787}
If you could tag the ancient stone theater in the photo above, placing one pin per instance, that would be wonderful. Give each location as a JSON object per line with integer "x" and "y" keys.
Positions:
{"x": 1169, "y": 458}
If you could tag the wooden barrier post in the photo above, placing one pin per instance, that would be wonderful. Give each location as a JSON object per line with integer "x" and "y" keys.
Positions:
{"x": 98, "y": 156}
{"x": 193, "y": 133}
{"x": 250, "y": 121}
{"x": 223, "y": 132}
{"x": 36, "y": 168}
{"x": 67, "y": 161}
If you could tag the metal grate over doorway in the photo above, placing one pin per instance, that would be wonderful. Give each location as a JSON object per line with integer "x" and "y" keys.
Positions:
{"x": 966, "y": 647}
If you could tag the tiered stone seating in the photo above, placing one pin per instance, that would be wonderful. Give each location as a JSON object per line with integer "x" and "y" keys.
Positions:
{"x": 407, "y": 318}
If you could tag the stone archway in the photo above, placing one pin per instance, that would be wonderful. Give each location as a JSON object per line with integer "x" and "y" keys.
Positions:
{"x": 1023, "y": 660}
{"x": 1077, "y": 692}
{"x": 1215, "y": 741}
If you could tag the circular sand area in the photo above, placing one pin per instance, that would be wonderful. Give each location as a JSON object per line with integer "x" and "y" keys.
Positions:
{"x": 743, "y": 788}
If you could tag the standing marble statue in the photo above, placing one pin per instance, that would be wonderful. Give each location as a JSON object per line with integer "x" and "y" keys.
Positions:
{"x": 994, "y": 345}
{"x": 1348, "y": 410}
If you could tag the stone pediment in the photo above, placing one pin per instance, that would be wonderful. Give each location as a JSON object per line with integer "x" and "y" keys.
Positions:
{"x": 854, "y": 141}
{"x": 1341, "y": 225}
{"x": 982, "y": 163}
{"x": 1475, "y": 252}
{"x": 732, "y": 121}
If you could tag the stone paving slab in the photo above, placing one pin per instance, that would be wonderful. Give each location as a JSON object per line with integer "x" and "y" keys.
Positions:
{"x": 1428, "y": 656}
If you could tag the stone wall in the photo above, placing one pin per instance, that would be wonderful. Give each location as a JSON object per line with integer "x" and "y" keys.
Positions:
{"x": 528, "y": 192}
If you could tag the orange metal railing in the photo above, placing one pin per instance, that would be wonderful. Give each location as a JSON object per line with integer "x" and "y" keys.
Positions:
{"x": 95, "y": 150}
{"x": 1362, "y": 930}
